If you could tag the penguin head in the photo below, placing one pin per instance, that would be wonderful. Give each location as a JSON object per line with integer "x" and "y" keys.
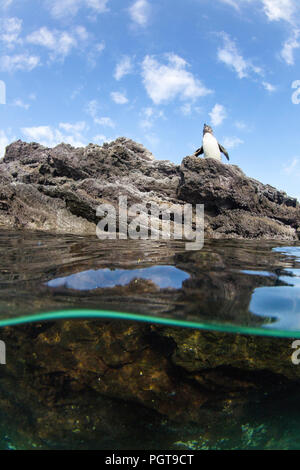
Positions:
{"x": 207, "y": 128}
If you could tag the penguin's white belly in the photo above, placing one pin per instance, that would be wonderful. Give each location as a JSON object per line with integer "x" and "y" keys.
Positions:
{"x": 211, "y": 147}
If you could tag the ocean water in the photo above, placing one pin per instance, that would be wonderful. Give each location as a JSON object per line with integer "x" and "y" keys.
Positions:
{"x": 144, "y": 345}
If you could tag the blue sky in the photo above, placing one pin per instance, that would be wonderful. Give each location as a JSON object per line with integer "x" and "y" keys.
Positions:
{"x": 85, "y": 71}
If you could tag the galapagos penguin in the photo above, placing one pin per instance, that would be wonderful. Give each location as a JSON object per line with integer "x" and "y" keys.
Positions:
{"x": 211, "y": 147}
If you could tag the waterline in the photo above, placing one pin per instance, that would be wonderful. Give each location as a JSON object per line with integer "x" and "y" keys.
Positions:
{"x": 106, "y": 314}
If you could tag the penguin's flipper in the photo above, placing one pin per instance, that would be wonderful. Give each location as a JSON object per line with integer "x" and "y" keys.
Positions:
{"x": 198, "y": 152}
{"x": 224, "y": 151}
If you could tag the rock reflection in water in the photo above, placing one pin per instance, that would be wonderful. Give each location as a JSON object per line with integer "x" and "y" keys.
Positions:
{"x": 162, "y": 276}
{"x": 206, "y": 286}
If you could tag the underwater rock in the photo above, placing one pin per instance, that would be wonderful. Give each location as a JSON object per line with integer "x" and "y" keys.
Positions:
{"x": 98, "y": 384}
{"x": 58, "y": 190}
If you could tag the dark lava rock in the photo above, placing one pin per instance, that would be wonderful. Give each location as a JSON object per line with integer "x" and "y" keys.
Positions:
{"x": 59, "y": 189}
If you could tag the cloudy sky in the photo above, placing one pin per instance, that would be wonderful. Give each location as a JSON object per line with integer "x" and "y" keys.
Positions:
{"x": 85, "y": 71}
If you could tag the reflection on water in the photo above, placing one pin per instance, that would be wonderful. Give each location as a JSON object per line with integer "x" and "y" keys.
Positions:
{"x": 162, "y": 276}
{"x": 257, "y": 273}
{"x": 282, "y": 301}
{"x": 228, "y": 282}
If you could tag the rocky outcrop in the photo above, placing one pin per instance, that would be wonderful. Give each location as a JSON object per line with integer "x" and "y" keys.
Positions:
{"x": 237, "y": 206}
{"x": 59, "y": 189}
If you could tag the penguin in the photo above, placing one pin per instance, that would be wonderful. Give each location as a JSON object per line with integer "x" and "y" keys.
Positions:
{"x": 211, "y": 147}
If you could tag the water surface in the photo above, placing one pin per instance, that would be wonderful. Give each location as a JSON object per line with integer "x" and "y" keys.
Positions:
{"x": 246, "y": 286}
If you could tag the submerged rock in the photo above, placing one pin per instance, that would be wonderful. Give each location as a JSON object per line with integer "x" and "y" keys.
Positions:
{"x": 113, "y": 384}
{"x": 59, "y": 189}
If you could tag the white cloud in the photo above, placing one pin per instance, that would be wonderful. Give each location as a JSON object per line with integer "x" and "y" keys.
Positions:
{"x": 99, "y": 6}
{"x": 59, "y": 42}
{"x": 149, "y": 116}
{"x": 152, "y": 139}
{"x": 66, "y": 8}
{"x": 11, "y": 63}
{"x": 291, "y": 167}
{"x": 20, "y": 104}
{"x": 95, "y": 52}
{"x": 100, "y": 139}
{"x": 232, "y": 3}
{"x": 124, "y": 67}
{"x": 42, "y": 134}
{"x": 100, "y": 47}
{"x": 186, "y": 109}
{"x": 81, "y": 32}
{"x": 218, "y": 114}
{"x": 269, "y": 87}
{"x": 275, "y": 10}
{"x": 119, "y": 98}
{"x": 232, "y": 142}
{"x": 5, "y": 4}
{"x": 240, "y": 125}
{"x": 51, "y": 136}
{"x": 104, "y": 121}
{"x": 4, "y": 142}
{"x": 230, "y": 56}
{"x": 287, "y": 52}
{"x": 76, "y": 92}
{"x": 73, "y": 128}
{"x": 139, "y": 12}
{"x": 279, "y": 9}
{"x": 10, "y": 29}
{"x": 164, "y": 82}
{"x": 92, "y": 108}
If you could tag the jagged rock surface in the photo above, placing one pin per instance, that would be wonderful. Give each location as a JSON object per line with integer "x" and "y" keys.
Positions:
{"x": 59, "y": 190}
